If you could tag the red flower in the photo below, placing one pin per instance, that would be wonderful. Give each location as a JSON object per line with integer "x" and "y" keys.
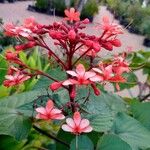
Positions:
{"x": 120, "y": 65}
{"x": 111, "y": 28}
{"x": 80, "y": 76}
{"x": 77, "y": 125}
{"x": 25, "y": 46}
{"x": 12, "y": 30}
{"x": 13, "y": 57}
{"x": 30, "y": 23}
{"x": 49, "y": 112}
{"x": 72, "y": 15}
{"x": 15, "y": 79}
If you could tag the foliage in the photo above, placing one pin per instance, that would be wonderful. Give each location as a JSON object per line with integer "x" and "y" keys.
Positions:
{"x": 129, "y": 12}
{"x": 89, "y": 9}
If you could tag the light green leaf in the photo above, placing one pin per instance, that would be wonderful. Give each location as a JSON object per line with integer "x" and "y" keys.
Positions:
{"x": 112, "y": 142}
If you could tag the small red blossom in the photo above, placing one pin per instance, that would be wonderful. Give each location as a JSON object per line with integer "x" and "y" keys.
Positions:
{"x": 77, "y": 125}
{"x": 72, "y": 15}
{"x": 111, "y": 28}
{"x": 49, "y": 112}
{"x": 93, "y": 45}
{"x": 30, "y": 23}
{"x": 25, "y": 46}
{"x": 15, "y": 79}
{"x": 55, "y": 86}
{"x": 55, "y": 34}
{"x": 120, "y": 65}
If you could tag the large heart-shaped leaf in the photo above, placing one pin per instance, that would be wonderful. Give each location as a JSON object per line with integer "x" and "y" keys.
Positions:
{"x": 44, "y": 82}
{"x": 102, "y": 109}
{"x": 14, "y": 117}
{"x": 141, "y": 111}
{"x": 81, "y": 142}
{"x": 112, "y": 142}
{"x": 131, "y": 131}
{"x": 14, "y": 124}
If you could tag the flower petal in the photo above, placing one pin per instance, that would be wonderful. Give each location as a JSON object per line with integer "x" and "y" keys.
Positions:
{"x": 58, "y": 116}
{"x": 41, "y": 110}
{"x": 73, "y": 73}
{"x": 70, "y": 122}
{"x": 80, "y": 70}
{"x": 89, "y": 74}
{"x": 49, "y": 105}
{"x": 84, "y": 123}
{"x": 67, "y": 128}
{"x": 87, "y": 129}
{"x": 77, "y": 118}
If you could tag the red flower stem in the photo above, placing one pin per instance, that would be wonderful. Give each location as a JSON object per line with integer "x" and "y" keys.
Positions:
{"x": 78, "y": 47}
{"x": 71, "y": 87}
{"x": 102, "y": 34}
{"x": 81, "y": 56}
{"x": 53, "y": 54}
{"x": 39, "y": 72}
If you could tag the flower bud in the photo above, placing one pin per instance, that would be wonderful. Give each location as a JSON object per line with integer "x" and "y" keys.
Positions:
{"x": 108, "y": 46}
{"x": 116, "y": 42}
{"x": 85, "y": 21}
{"x": 55, "y": 86}
{"x": 72, "y": 35}
{"x": 96, "y": 90}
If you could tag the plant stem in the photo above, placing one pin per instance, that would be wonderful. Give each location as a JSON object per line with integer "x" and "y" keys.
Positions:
{"x": 53, "y": 54}
{"x": 76, "y": 142}
{"x": 50, "y": 136}
{"x": 81, "y": 56}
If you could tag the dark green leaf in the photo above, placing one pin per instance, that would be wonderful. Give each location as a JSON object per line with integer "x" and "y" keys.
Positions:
{"x": 102, "y": 109}
{"x": 112, "y": 142}
{"x": 131, "y": 131}
{"x": 13, "y": 113}
{"x": 141, "y": 111}
{"x": 14, "y": 124}
{"x": 9, "y": 143}
{"x": 44, "y": 82}
{"x": 82, "y": 143}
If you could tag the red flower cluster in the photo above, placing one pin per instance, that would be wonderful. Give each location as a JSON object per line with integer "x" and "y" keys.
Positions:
{"x": 75, "y": 45}
{"x": 14, "y": 77}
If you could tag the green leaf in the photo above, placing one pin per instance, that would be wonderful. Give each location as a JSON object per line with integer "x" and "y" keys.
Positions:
{"x": 9, "y": 143}
{"x": 131, "y": 131}
{"x": 112, "y": 142}
{"x": 14, "y": 112}
{"x": 102, "y": 109}
{"x": 141, "y": 111}
{"x": 83, "y": 143}
{"x": 23, "y": 56}
{"x": 66, "y": 137}
{"x": 3, "y": 69}
{"x": 14, "y": 124}
{"x": 44, "y": 82}
{"x": 131, "y": 81}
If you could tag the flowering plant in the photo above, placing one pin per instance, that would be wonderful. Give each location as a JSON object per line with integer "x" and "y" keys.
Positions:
{"x": 75, "y": 90}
